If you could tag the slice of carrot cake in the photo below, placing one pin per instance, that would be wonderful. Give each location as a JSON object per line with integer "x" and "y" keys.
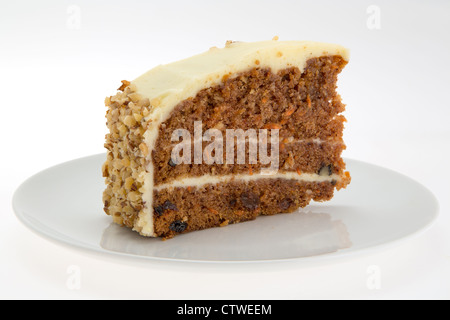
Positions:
{"x": 225, "y": 136}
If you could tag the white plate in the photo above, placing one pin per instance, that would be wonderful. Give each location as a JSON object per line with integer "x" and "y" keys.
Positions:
{"x": 379, "y": 207}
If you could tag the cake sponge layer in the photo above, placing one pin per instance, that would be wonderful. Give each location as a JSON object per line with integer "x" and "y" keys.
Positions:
{"x": 181, "y": 210}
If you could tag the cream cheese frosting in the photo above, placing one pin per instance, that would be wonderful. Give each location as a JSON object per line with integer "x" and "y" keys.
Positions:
{"x": 167, "y": 85}
{"x": 201, "y": 181}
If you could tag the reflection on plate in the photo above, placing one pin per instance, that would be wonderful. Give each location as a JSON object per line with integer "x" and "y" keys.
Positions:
{"x": 380, "y": 207}
{"x": 300, "y": 234}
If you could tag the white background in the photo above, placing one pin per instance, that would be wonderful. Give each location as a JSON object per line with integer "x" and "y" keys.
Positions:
{"x": 60, "y": 59}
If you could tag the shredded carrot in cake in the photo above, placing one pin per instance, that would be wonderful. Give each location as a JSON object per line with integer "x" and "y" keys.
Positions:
{"x": 272, "y": 126}
{"x": 308, "y": 101}
{"x": 289, "y": 111}
{"x": 213, "y": 211}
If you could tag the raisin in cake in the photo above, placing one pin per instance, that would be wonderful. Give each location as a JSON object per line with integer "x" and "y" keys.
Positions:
{"x": 287, "y": 88}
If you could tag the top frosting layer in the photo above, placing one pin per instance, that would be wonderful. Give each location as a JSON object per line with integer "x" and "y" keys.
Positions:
{"x": 166, "y": 85}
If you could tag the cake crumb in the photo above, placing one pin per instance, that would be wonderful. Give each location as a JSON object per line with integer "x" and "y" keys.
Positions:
{"x": 224, "y": 223}
{"x": 229, "y": 43}
{"x": 125, "y": 84}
